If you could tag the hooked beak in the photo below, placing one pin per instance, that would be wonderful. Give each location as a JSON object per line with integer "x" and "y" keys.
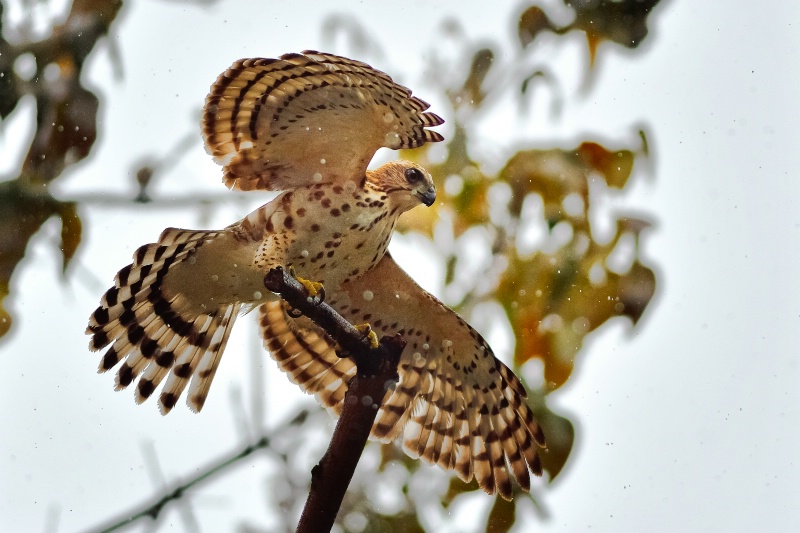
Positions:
{"x": 428, "y": 197}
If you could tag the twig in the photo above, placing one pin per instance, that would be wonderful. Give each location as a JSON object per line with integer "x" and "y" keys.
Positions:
{"x": 376, "y": 368}
{"x": 153, "y": 509}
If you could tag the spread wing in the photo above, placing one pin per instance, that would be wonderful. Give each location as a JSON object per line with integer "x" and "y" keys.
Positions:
{"x": 143, "y": 326}
{"x": 308, "y": 118}
{"x": 456, "y": 404}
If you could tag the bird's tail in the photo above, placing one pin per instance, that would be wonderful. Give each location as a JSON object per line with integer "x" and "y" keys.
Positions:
{"x": 139, "y": 323}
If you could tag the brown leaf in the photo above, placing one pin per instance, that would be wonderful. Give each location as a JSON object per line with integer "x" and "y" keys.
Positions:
{"x": 620, "y": 21}
{"x": 615, "y": 166}
{"x": 9, "y": 96}
{"x": 633, "y": 225}
{"x": 532, "y": 22}
{"x": 21, "y": 216}
{"x": 471, "y": 92}
{"x": 502, "y": 516}
{"x": 558, "y": 431}
{"x": 457, "y": 488}
{"x": 71, "y": 229}
{"x": 636, "y": 289}
{"x": 553, "y": 174}
{"x": 66, "y": 130}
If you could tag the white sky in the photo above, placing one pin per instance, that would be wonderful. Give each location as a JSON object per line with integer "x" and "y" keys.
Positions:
{"x": 690, "y": 423}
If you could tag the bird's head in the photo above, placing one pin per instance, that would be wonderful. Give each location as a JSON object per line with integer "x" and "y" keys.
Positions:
{"x": 405, "y": 184}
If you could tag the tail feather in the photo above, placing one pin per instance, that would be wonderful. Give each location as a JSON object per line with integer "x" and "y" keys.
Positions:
{"x": 134, "y": 283}
{"x": 150, "y": 338}
{"x": 173, "y": 345}
{"x": 209, "y": 359}
{"x": 309, "y": 359}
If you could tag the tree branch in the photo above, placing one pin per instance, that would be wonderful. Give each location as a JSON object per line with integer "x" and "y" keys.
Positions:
{"x": 153, "y": 508}
{"x": 377, "y": 370}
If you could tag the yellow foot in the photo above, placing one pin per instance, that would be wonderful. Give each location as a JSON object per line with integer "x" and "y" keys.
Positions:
{"x": 312, "y": 287}
{"x": 368, "y": 332}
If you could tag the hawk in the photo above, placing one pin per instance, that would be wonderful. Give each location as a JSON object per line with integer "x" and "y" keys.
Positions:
{"x": 308, "y": 125}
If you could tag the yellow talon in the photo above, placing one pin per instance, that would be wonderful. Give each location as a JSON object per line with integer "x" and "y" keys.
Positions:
{"x": 312, "y": 287}
{"x": 369, "y": 333}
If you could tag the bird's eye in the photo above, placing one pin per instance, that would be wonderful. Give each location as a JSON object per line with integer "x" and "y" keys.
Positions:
{"x": 414, "y": 175}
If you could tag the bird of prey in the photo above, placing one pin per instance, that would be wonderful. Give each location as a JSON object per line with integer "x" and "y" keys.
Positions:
{"x": 308, "y": 125}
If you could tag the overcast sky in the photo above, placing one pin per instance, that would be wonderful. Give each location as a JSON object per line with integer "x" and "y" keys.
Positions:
{"x": 691, "y": 422}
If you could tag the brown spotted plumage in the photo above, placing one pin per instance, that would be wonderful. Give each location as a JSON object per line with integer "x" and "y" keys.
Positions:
{"x": 456, "y": 405}
{"x": 170, "y": 312}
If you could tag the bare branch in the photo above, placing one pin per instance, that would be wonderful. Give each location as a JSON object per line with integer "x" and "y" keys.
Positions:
{"x": 153, "y": 508}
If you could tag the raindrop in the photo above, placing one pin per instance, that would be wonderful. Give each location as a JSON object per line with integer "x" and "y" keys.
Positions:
{"x": 317, "y": 176}
{"x": 257, "y": 295}
{"x": 304, "y": 253}
{"x": 391, "y": 139}
{"x": 368, "y": 295}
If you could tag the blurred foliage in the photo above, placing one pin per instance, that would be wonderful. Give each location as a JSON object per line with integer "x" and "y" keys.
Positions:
{"x": 49, "y": 70}
{"x": 562, "y": 284}
{"x": 619, "y": 21}
{"x": 551, "y": 271}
